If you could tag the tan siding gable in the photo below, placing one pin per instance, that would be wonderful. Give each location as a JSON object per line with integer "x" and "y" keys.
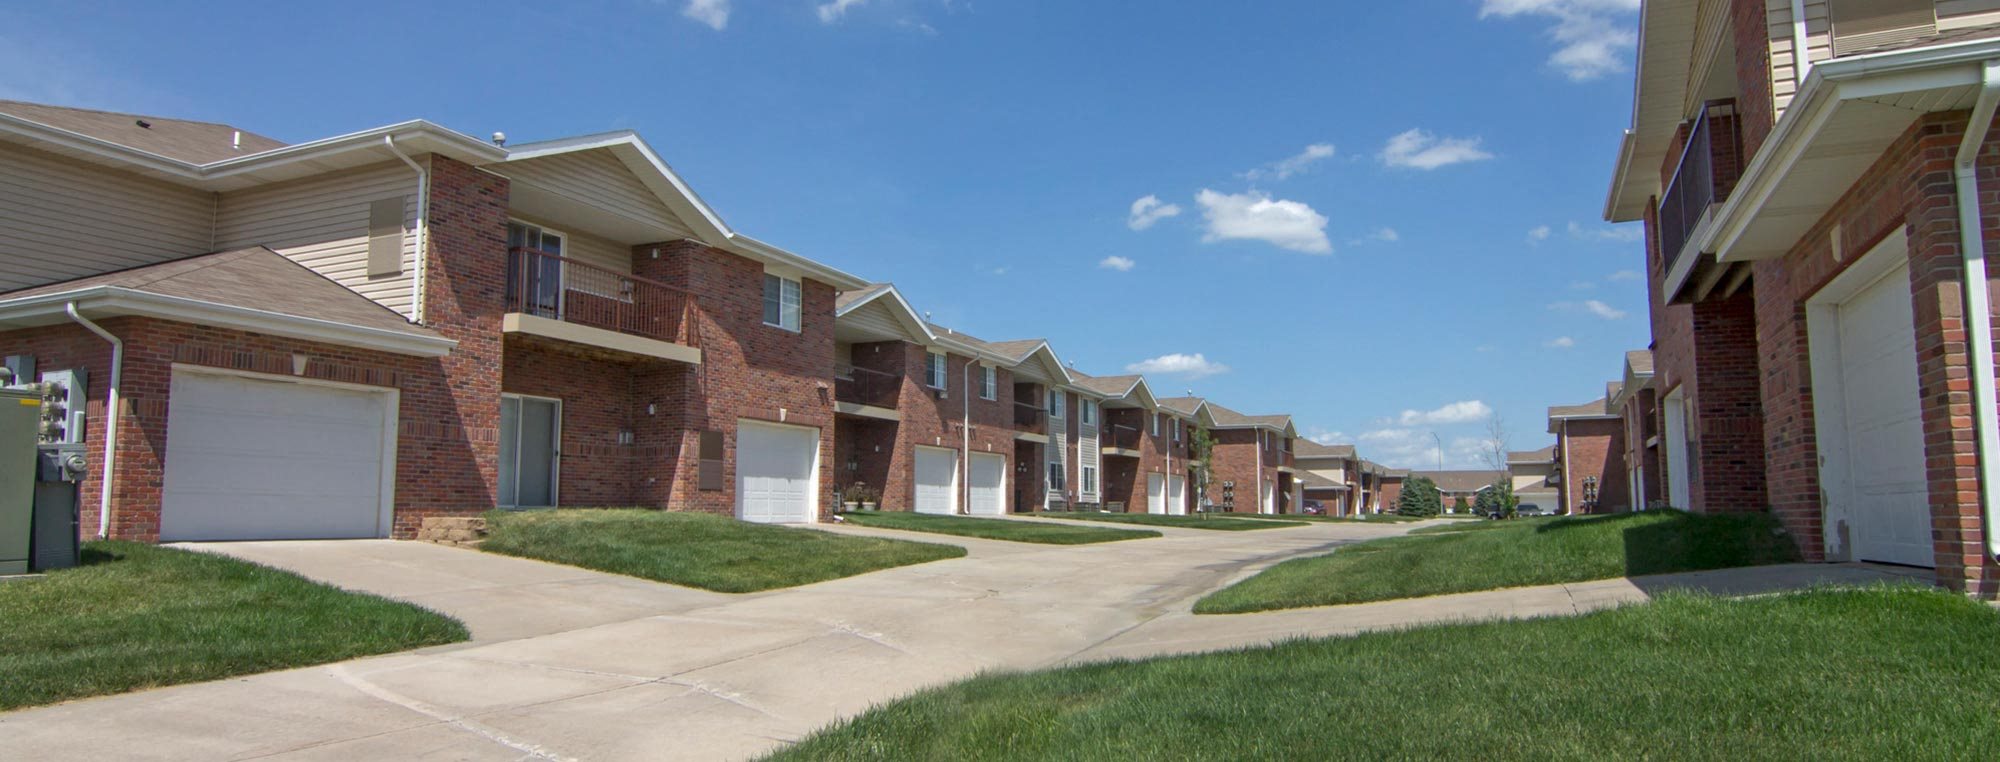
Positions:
{"x": 599, "y": 179}
{"x": 876, "y": 318}
{"x": 322, "y": 222}
{"x": 1964, "y": 14}
{"x": 586, "y": 248}
{"x": 61, "y": 219}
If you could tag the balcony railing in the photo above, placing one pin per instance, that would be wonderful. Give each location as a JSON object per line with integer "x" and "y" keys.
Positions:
{"x": 1121, "y": 437}
{"x": 560, "y": 288}
{"x": 1711, "y": 148}
{"x": 1030, "y": 419}
{"x": 865, "y": 386}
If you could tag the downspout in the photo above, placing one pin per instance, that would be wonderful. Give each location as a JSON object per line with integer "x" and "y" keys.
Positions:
{"x": 110, "y": 419}
{"x": 965, "y": 445}
{"x": 1563, "y": 492}
{"x": 1801, "y": 44}
{"x": 1978, "y": 307}
{"x": 1260, "y": 471}
{"x": 423, "y": 229}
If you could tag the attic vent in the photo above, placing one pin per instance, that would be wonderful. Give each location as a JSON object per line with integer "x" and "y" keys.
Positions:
{"x": 143, "y": 123}
{"x": 1860, "y": 25}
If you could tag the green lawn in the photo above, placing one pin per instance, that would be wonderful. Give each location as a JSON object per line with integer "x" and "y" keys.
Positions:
{"x": 1218, "y": 522}
{"x": 1488, "y": 555}
{"x": 1879, "y": 673}
{"x": 697, "y": 549}
{"x": 1372, "y": 518}
{"x": 141, "y": 616}
{"x": 995, "y": 529}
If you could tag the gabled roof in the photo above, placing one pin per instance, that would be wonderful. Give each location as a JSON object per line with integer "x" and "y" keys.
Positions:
{"x": 1306, "y": 448}
{"x": 1194, "y": 408}
{"x": 253, "y": 289}
{"x": 178, "y": 139}
{"x": 888, "y": 298}
{"x": 1113, "y": 388}
{"x": 1230, "y": 419}
{"x": 1531, "y": 457}
{"x": 1462, "y": 481}
{"x": 1597, "y": 408}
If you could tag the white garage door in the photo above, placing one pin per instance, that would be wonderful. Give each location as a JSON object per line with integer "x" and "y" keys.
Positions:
{"x": 1156, "y": 493}
{"x": 989, "y": 484}
{"x": 270, "y": 459}
{"x": 1270, "y": 498}
{"x": 776, "y": 468}
{"x": 937, "y": 480}
{"x": 1177, "y": 495}
{"x": 1889, "y": 497}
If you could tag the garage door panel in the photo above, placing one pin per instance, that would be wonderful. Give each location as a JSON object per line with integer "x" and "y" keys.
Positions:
{"x": 1887, "y": 489}
{"x": 1176, "y": 495}
{"x": 775, "y": 468}
{"x": 1156, "y": 493}
{"x": 937, "y": 480}
{"x": 989, "y": 479}
{"x": 251, "y": 459}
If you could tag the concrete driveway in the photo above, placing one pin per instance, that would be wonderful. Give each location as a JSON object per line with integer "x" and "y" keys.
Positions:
{"x": 570, "y": 664}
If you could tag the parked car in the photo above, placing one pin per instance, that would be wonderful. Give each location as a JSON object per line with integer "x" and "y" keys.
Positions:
{"x": 1313, "y": 508}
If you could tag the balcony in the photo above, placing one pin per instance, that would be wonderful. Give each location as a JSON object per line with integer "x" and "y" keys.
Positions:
{"x": 1709, "y": 163}
{"x": 1119, "y": 439}
{"x": 865, "y": 388}
{"x": 562, "y": 298}
{"x": 1029, "y": 419}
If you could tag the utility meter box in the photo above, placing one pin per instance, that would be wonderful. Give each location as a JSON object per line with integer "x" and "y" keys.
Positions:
{"x": 20, "y": 419}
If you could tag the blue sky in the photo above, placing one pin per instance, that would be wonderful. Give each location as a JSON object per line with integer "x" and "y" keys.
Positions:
{"x": 1387, "y": 213}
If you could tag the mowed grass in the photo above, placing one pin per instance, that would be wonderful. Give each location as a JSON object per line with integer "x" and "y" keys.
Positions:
{"x": 141, "y": 616}
{"x": 1220, "y": 523}
{"x": 697, "y": 549}
{"x": 1458, "y": 558}
{"x": 1863, "y": 674}
{"x": 1372, "y": 518}
{"x": 995, "y": 529}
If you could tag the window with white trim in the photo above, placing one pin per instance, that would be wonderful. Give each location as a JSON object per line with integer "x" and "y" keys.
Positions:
{"x": 1055, "y": 403}
{"x": 1090, "y": 480}
{"x": 1089, "y": 412}
{"x": 988, "y": 383}
{"x": 934, "y": 370}
{"x": 781, "y": 302}
{"x": 1056, "y": 477}
{"x": 1156, "y": 424}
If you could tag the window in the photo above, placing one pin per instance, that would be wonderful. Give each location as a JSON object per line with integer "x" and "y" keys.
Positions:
{"x": 988, "y": 385}
{"x": 1090, "y": 480}
{"x": 934, "y": 370}
{"x": 536, "y": 282}
{"x": 1055, "y": 404}
{"x": 521, "y": 235}
{"x": 1089, "y": 412}
{"x": 1156, "y": 424}
{"x": 709, "y": 476}
{"x": 781, "y": 302}
{"x": 1177, "y": 429}
{"x": 1056, "y": 481}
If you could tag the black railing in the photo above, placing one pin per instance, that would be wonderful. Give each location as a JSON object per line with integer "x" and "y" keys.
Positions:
{"x": 559, "y": 288}
{"x": 1122, "y": 437}
{"x": 1696, "y": 186}
{"x": 866, "y": 386}
{"x": 1030, "y": 419}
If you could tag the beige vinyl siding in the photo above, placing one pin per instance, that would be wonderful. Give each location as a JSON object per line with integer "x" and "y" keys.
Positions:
{"x": 584, "y": 247}
{"x": 1964, "y": 14}
{"x": 596, "y": 178}
{"x": 322, "y": 222}
{"x": 1952, "y": 15}
{"x": 62, "y": 219}
{"x": 876, "y": 318}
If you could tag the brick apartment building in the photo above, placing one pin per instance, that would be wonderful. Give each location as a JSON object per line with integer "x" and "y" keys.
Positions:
{"x": 1590, "y": 471}
{"x": 1812, "y": 189}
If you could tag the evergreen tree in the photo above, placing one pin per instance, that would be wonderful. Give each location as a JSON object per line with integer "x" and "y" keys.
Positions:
{"x": 1420, "y": 497}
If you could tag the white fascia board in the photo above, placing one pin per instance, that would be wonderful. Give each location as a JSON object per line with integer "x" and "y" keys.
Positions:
{"x": 106, "y": 301}
{"x": 1615, "y": 198}
{"x": 459, "y": 145}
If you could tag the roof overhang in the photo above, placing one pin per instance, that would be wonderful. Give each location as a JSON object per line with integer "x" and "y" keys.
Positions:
{"x": 1659, "y": 100}
{"x": 354, "y": 149}
{"x": 1848, "y": 113}
{"x": 914, "y": 327}
{"x": 1047, "y": 366}
{"x": 113, "y": 301}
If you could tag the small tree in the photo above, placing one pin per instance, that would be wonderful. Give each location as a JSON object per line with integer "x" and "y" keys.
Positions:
{"x": 1458, "y": 505}
{"x": 1420, "y": 497}
{"x": 1201, "y": 446}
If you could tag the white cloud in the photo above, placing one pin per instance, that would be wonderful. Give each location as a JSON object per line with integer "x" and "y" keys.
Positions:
{"x": 1623, "y": 275}
{"x": 1561, "y": 342}
{"x": 1114, "y": 262}
{"x": 1386, "y": 235}
{"x": 1538, "y": 234}
{"x": 1326, "y": 436}
{"x": 1255, "y": 216}
{"x": 1292, "y": 165}
{"x": 1177, "y": 364}
{"x": 1465, "y": 411}
{"x": 833, "y": 11}
{"x": 1590, "y": 35}
{"x": 1619, "y": 234}
{"x": 714, "y": 13}
{"x": 1592, "y": 307}
{"x": 1149, "y": 210}
{"x": 1419, "y": 149}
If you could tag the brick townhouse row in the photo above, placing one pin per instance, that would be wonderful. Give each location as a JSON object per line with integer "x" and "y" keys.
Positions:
{"x": 1819, "y": 182}
{"x": 344, "y": 337}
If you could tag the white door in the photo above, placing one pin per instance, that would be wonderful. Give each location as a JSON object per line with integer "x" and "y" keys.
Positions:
{"x": 1675, "y": 411}
{"x": 251, "y": 458}
{"x": 1177, "y": 495}
{"x": 1270, "y": 498}
{"x": 1156, "y": 493}
{"x": 989, "y": 485}
{"x": 937, "y": 480}
{"x": 530, "y": 438}
{"x": 1888, "y": 496}
{"x": 776, "y": 468}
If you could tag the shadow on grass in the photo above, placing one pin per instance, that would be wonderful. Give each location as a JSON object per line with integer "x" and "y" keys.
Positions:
{"x": 1687, "y": 542}
{"x": 93, "y": 556}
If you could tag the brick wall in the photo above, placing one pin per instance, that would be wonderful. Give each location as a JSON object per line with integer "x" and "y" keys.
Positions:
{"x": 1594, "y": 448}
{"x": 464, "y": 291}
{"x": 929, "y": 421}
{"x": 1235, "y": 459}
{"x": 600, "y": 399}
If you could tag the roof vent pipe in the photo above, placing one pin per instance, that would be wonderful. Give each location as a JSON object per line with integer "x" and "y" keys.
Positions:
{"x": 236, "y": 140}
{"x": 1978, "y": 307}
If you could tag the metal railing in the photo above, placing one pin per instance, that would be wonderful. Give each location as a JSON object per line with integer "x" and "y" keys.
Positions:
{"x": 1121, "y": 437}
{"x": 1031, "y": 419}
{"x": 559, "y": 288}
{"x": 1694, "y": 188}
{"x": 866, "y": 386}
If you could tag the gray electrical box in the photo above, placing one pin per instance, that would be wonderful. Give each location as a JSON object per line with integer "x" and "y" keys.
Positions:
{"x": 20, "y": 418}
